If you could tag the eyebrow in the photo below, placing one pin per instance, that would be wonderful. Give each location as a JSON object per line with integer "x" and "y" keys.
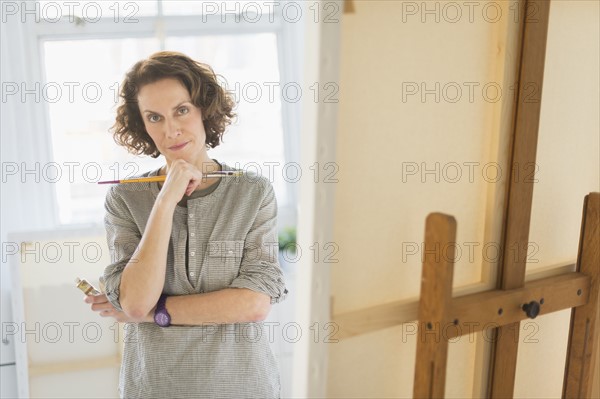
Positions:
{"x": 174, "y": 108}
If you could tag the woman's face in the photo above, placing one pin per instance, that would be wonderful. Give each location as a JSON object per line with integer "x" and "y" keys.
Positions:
{"x": 173, "y": 122}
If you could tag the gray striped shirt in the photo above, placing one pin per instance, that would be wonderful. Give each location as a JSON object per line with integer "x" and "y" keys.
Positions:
{"x": 226, "y": 237}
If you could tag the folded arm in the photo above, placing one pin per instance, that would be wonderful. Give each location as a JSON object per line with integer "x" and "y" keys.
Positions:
{"x": 230, "y": 305}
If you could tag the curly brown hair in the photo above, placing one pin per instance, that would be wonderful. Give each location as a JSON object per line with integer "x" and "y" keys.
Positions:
{"x": 200, "y": 81}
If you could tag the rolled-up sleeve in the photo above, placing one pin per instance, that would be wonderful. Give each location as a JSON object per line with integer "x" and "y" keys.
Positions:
{"x": 260, "y": 270}
{"x": 123, "y": 237}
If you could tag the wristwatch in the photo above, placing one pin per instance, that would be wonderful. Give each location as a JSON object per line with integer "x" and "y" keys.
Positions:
{"x": 161, "y": 316}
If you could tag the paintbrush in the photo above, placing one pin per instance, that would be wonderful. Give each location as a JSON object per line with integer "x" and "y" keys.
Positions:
{"x": 162, "y": 178}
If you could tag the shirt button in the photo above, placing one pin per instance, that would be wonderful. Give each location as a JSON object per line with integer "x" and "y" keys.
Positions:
{"x": 192, "y": 234}
{"x": 230, "y": 252}
{"x": 191, "y": 215}
{"x": 192, "y": 274}
{"x": 192, "y": 253}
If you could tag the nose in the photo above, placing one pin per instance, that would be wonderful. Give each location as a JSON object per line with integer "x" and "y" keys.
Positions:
{"x": 172, "y": 128}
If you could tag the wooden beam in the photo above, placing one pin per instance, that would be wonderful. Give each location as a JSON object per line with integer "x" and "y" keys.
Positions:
{"x": 474, "y": 311}
{"x": 434, "y": 306}
{"x": 392, "y": 314}
{"x": 520, "y": 189}
{"x": 349, "y": 7}
{"x": 583, "y": 334}
{"x": 113, "y": 361}
{"x": 375, "y": 318}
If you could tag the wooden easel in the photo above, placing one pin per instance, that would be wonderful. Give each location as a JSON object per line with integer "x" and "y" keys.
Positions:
{"x": 441, "y": 317}
{"x": 514, "y": 300}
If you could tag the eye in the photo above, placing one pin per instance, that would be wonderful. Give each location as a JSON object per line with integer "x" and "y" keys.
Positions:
{"x": 151, "y": 118}
{"x": 183, "y": 110}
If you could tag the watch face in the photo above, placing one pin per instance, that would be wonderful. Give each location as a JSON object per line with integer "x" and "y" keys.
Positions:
{"x": 162, "y": 319}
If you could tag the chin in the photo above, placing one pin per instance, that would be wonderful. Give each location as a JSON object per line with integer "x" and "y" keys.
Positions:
{"x": 186, "y": 159}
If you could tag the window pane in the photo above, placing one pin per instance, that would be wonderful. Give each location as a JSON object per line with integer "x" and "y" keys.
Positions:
{"x": 246, "y": 8}
{"x": 81, "y": 96}
{"x": 249, "y": 66}
{"x": 92, "y": 11}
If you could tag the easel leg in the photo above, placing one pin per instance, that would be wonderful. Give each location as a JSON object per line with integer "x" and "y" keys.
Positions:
{"x": 583, "y": 335}
{"x": 434, "y": 306}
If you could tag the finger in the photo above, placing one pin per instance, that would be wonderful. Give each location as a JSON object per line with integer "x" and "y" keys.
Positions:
{"x": 102, "y": 306}
{"x": 101, "y": 298}
{"x": 195, "y": 181}
{"x": 190, "y": 189}
{"x": 108, "y": 313}
{"x": 90, "y": 299}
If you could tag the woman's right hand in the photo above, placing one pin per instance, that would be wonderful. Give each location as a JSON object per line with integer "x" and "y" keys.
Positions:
{"x": 182, "y": 178}
{"x": 104, "y": 308}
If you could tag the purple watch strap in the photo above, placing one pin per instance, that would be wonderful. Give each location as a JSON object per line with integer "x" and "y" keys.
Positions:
{"x": 161, "y": 316}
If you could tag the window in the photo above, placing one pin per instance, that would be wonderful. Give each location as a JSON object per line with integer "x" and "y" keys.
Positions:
{"x": 84, "y": 60}
{"x": 79, "y": 123}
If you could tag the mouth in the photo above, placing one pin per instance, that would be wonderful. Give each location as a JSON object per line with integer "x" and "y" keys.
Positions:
{"x": 178, "y": 147}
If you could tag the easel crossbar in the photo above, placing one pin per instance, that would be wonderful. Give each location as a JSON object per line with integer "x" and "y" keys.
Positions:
{"x": 491, "y": 309}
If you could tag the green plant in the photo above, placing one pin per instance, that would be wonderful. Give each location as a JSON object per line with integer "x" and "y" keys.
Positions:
{"x": 287, "y": 239}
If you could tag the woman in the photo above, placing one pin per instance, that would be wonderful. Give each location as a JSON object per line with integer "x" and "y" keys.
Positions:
{"x": 195, "y": 264}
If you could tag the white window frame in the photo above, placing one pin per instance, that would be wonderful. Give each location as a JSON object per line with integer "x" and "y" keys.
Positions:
{"x": 36, "y": 31}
